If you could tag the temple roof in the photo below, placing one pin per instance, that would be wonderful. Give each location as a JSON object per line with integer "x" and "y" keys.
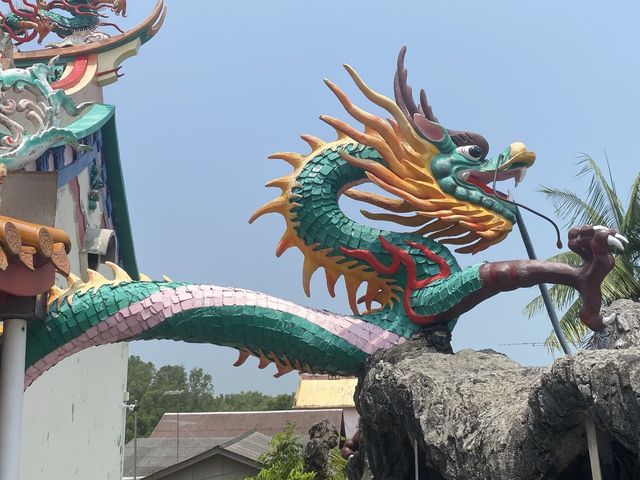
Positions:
{"x": 33, "y": 245}
{"x": 99, "y": 60}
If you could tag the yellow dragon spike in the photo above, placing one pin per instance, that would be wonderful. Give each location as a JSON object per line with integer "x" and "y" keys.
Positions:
{"x": 314, "y": 142}
{"x": 119, "y": 274}
{"x": 294, "y": 159}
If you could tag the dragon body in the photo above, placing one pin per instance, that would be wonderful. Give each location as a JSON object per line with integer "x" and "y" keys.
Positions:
{"x": 77, "y": 23}
{"x": 440, "y": 184}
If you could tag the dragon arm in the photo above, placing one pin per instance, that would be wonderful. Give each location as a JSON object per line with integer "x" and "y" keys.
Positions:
{"x": 444, "y": 296}
{"x": 591, "y": 243}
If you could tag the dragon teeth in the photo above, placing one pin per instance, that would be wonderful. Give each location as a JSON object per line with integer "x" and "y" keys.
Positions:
{"x": 465, "y": 175}
{"x": 519, "y": 175}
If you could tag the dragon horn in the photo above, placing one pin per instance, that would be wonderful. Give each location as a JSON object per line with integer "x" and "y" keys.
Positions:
{"x": 404, "y": 95}
{"x": 404, "y": 98}
{"x": 53, "y": 60}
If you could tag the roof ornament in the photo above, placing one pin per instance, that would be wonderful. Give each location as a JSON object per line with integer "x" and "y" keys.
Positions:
{"x": 75, "y": 21}
{"x": 31, "y": 113}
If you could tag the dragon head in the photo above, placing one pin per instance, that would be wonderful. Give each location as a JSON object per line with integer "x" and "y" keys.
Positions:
{"x": 443, "y": 176}
{"x": 120, "y": 7}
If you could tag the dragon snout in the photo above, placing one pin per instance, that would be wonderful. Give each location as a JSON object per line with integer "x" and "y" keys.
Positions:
{"x": 519, "y": 156}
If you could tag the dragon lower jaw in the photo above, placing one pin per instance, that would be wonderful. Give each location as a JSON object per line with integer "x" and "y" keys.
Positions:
{"x": 483, "y": 179}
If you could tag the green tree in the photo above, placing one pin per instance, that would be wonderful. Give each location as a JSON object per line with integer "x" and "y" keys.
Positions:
{"x": 147, "y": 386}
{"x": 284, "y": 460}
{"x": 200, "y": 391}
{"x": 337, "y": 465}
{"x": 252, "y": 401}
{"x": 139, "y": 379}
{"x": 602, "y": 206}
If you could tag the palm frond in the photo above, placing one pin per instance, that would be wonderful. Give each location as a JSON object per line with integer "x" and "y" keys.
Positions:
{"x": 572, "y": 328}
{"x": 620, "y": 283}
{"x": 561, "y": 297}
{"x": 570, "y": 258}
{"x": 601, "y": 194}
{"x": 574, "y": 209}
{"x": 631, "y": 224}
{"x": 600, "y": 206}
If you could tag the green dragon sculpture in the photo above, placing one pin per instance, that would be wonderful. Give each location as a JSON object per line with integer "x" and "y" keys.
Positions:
{"x": 440, "y": 182}
{"x": 79, "y": 25}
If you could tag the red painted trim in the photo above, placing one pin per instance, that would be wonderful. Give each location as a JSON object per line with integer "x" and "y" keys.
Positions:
{"x": 81, "y": 221}
{"x": 18, "y": 280}
{"x": 402, "y": 257}
{"x": 80, "y": 65}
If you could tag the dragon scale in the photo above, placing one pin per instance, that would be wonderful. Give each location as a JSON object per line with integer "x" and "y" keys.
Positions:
{"x": 440, "y": 182}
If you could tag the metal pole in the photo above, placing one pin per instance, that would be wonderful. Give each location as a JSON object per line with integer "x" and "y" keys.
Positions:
{"x": 592, "y": 444}
{"x": 135, "y": 443}
{"x": 178, "y": 432}
{"x": 12, "y": 397}
{"x": 544, "y": 291}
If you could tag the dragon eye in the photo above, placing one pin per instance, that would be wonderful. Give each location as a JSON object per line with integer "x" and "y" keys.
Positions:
{"x": 470, "y": 152}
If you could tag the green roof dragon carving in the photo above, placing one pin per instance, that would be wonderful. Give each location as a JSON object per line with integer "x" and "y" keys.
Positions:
{"x": 31, "y": 112}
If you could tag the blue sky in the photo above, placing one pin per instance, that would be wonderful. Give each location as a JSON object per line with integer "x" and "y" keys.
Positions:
{"x": 226, "y": 83}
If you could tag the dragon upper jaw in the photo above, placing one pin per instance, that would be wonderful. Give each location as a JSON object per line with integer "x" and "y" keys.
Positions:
{"x": 519, "y": 159}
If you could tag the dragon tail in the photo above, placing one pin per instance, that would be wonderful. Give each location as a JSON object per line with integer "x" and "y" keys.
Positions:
{"x": 104, "y": 311}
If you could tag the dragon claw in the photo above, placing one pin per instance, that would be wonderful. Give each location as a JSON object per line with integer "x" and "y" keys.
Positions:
{"x": 622, "y": 238}
{"x": 614, "y": 242}
{"x": 609, "y": 319}
{"x": 593, "y": 245}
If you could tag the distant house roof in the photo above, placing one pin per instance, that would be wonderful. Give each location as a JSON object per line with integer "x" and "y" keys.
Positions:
{"x": 322, "y": 391}
{"x": 233, "y": 424}
{"x": 155, "y": 454}
{"x": 156, "y": 457}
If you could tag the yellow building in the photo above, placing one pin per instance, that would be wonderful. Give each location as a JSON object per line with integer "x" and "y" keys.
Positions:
{"x": 323, "y": 391}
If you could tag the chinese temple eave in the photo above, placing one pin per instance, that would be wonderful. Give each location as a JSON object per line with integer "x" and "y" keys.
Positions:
{"x": 141, "y": 33}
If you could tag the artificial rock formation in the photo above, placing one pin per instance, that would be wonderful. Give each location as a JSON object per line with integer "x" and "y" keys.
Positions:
{"x": 323, "y": 437}
{"x": 480, "y": 415}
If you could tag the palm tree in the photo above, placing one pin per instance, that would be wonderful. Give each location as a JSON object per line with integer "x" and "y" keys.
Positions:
{"x": 602, "y": 206}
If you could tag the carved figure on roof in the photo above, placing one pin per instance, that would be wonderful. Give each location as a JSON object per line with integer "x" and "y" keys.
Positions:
{"x": 75, "y": 21}
{"x": 33, "y": 125}
{"x": 440, "y": 182}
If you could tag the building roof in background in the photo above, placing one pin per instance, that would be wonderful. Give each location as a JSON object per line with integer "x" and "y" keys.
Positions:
{"x": 322, "y": 391}
{"x": 249, "y": 446}
{"x": 156, "y": 457}
{"x": 155, "y": 454}
{"x": 233, "y": 424}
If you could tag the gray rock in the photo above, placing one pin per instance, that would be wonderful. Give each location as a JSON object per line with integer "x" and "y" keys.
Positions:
{"x": 623, "y": 331}
{"x": 480, "y": 415}
{"x": 324, "y": 436}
